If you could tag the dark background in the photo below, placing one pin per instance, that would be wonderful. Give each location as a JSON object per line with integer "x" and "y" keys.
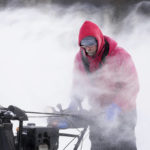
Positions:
{"x": 121, "y": 7}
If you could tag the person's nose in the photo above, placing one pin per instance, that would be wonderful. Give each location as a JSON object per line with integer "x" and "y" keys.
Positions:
{"x": 88, "y": 48}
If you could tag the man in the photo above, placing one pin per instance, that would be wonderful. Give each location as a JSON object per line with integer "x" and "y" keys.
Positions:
{"x": 105, "y": 75}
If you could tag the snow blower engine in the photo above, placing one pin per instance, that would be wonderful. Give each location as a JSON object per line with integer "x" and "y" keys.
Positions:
{"x": 28, "y": 137}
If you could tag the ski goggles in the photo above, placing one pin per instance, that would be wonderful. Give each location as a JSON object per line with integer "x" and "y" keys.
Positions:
{"x": 88, "y": 41}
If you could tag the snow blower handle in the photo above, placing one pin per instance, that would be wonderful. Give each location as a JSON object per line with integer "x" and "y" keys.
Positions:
{"x": 19, "y": 114}
{"x": 59, "y": 106}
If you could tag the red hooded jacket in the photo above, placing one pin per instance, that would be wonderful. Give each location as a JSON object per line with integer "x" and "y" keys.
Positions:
{"x": 112, "y": 79}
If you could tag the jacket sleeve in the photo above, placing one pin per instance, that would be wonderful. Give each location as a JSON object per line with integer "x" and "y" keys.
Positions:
{"x": 126, "y": 83}
{"x": 76, "y": 89}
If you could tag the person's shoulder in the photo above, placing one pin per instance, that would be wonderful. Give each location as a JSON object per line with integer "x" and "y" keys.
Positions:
{"x": 115, "y": 49}
{"x": 78, "y": 56}
{"x": 121, "y": 51}
{"x": 122, "y": 55}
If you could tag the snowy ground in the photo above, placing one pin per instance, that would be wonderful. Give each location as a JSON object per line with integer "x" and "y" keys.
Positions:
{"x": 38, "y": 45}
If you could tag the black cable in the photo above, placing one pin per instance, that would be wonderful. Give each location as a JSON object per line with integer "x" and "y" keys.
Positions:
{"x": 69, "y": 143}
{"x": 81, "y": 144}
{"x": 42, "y": 116}
{"x": 44, "y": 113}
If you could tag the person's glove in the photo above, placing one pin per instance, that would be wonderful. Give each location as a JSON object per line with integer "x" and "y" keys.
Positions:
{"x": 74, "y": 118}
{"x": 112, "y": 111}
{"x": 75, "y": 104}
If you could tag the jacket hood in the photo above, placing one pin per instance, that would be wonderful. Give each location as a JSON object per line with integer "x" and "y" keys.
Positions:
{"x": 91, "y": 29}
